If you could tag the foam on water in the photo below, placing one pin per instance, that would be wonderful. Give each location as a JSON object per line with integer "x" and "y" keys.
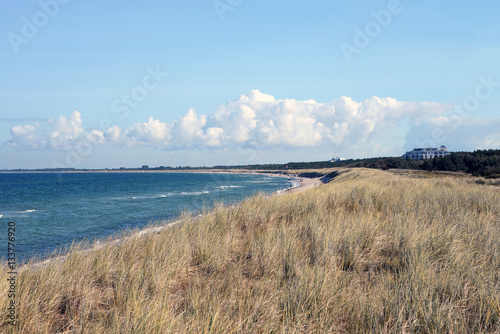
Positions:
{"x": 194, "y": 193}
{"x": 23, "y": 213}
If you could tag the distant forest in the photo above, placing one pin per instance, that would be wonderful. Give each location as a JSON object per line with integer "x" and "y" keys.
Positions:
{"x": 478, "y": 163}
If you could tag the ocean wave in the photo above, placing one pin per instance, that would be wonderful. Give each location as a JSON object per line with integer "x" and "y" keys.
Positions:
{"x": 183, "y": 193}
{"x": 159, "y": 196}
{"x": 16, "y": 213}
{"x": 194, "y": 193}
{"x": 165, "y": 195}
{"x": 128, "y": 198}
{"x": 224, "y": 187}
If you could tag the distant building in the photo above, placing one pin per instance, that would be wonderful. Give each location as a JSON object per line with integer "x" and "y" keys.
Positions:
{"x": 427, "y": 153}
{"x": 337, "y": 159}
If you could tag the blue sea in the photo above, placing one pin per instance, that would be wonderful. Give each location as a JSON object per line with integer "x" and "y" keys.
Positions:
{"x": 52, "y": 210}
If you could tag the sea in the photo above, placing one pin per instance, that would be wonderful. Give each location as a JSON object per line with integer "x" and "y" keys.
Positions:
{"x": 52, "y": 210}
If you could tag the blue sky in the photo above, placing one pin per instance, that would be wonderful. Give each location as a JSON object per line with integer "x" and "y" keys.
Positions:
{"x": 248, "y": 81}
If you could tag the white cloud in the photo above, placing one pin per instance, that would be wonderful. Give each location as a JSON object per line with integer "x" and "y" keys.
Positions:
{"x": 64, "y": 131}
{"x": 26, "y": 137}
{"x": 256, "y": 120}
{"x": 62, "y": 134}
{"x": 152, "y": 133}
{"x": 187, "y": 130}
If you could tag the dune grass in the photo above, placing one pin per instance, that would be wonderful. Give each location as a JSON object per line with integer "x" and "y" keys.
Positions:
{"x": 370, "y": 252}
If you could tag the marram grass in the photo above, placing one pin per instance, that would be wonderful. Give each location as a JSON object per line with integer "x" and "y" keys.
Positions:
{"x": 370, "y": 252}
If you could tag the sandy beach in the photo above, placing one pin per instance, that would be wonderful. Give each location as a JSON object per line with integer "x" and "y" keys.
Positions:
{"x": 306, "y": 183}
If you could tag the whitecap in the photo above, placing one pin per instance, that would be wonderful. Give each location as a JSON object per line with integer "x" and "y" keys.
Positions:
{"x": 165, "y": 195}
{"x": 224, "y": 187}
{"x": 194, "y": 193}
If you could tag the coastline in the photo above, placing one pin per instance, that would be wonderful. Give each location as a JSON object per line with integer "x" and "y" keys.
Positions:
{"x": 201, "y": 170}
{"x": 302, "y": 184}
{"x": 267, "y": 256}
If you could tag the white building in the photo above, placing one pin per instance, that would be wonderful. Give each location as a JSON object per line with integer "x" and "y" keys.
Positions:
{"x": 427, "y": 153}
{"x": 337, "y": 159}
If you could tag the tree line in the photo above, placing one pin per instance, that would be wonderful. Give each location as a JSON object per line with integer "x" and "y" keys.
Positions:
{"x": 478, "y": 163}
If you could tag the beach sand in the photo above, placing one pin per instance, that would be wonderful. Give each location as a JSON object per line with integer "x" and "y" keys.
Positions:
{"x": 306, "y": 183}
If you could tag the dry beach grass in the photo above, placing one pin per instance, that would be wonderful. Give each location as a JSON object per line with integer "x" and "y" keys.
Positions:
{"x": 370, "y": 251}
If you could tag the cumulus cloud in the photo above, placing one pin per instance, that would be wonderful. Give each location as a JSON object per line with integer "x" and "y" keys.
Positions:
{"x": 260, "y": 121}
{"x": 26, "y": 137}
{"x": 62, "y": 134}
{"x": 153, "y": 132}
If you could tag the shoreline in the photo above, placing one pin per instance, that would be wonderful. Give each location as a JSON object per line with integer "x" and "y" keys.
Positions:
{"x": 201, "y": 170}
{"x": 303, "y": 184}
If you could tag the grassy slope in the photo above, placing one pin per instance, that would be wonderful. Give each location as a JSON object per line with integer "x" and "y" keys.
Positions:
{"x": 369, "y": 252}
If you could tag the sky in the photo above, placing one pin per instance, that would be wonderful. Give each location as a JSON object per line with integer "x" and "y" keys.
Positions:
{"x": 108, "y": 84}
